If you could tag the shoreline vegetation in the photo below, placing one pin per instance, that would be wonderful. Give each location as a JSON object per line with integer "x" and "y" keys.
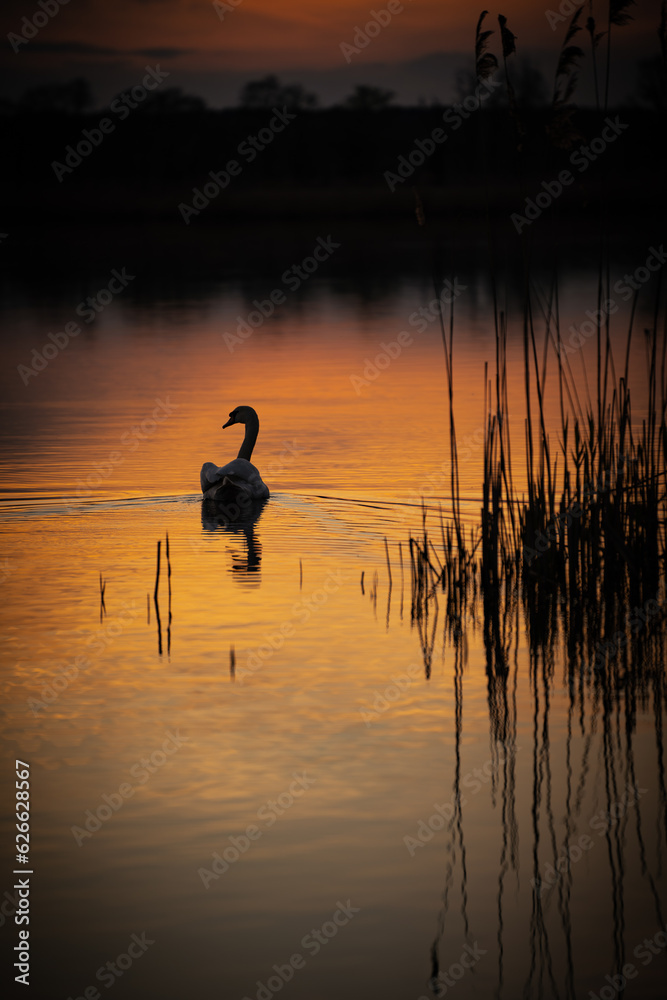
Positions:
{"x": 575, "y": 533}
{"x": 569, "y": 553}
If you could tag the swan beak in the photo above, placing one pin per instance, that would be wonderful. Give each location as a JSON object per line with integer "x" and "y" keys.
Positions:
{"x": 229, "y": 423}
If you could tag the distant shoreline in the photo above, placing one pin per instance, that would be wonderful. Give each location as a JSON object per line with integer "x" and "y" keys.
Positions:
{"x": 208, "y": 168}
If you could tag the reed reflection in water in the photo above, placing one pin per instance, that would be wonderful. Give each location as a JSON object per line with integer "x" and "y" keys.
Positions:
{"x": 594, "y": 603}
{"x": 584, "y": 795}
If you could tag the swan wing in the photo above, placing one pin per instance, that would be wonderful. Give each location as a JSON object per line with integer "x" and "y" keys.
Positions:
{"x": 239, "y": 472}
{"x": 212, "y": 474}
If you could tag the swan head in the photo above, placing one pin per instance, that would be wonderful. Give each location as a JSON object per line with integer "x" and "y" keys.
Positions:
{"x": 241, "y": 415}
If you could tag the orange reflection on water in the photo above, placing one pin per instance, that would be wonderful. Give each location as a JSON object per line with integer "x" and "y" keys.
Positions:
{"x": 317, "y": 663}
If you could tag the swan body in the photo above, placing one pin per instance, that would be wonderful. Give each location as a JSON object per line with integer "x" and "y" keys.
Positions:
{"x": 238, "y": 479}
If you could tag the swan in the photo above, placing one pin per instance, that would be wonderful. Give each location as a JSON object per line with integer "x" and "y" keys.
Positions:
{"x": 239, "y": 480}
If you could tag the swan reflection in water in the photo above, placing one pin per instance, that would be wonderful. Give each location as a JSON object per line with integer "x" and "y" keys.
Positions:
{"x": 237, "y": 516}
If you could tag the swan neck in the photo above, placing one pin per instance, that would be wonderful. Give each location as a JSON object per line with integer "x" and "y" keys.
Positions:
{"x": 251, "y": 432}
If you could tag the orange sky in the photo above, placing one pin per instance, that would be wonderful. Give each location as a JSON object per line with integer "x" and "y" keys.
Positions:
{"x": 95, "y": 37}
{"x": 295, "y": 33}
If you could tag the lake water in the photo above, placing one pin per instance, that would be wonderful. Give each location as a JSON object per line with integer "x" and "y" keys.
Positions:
{"x": 284, "y": 784}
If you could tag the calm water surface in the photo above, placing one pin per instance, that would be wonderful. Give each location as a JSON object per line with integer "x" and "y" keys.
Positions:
{"x": 354, "y": 791}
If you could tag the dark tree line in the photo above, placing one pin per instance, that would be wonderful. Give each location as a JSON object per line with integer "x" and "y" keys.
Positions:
{"x": 530, "y": 87}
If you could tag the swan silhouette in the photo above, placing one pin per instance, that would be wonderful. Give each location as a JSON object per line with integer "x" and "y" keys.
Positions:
{"x": 239, "y": 481}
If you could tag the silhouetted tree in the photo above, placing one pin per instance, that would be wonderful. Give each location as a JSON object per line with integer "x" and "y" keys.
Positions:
{"x": 365, "y": 98}
{"x": 269, "y": 92}
{"x": 71, "y": 98}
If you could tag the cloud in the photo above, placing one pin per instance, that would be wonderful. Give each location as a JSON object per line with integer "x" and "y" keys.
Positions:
{"x": 162, "y": 53}
{"x": 72, "y": 48}
{"x": 86, "y": 49}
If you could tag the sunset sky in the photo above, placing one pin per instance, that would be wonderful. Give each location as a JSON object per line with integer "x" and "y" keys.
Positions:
{"x": 299, "y": 39}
